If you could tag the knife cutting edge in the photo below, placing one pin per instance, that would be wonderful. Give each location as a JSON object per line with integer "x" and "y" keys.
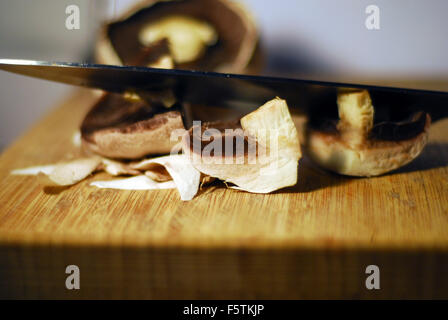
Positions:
{"x": 217, "y": 89}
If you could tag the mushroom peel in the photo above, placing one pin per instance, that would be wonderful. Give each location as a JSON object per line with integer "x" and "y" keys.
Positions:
{"x": 167, "y": 172}
{"x": 71, "y": 172}
{"x": 140, "y": 182}
{"x": 185, "y": 177}
{"x": 357, "y": 147}
{"x": 67, "y": 174}
{"x": 62, "y": 174}
{"x": 259, "y": 154}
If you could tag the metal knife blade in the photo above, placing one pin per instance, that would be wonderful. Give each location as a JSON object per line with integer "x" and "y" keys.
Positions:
{"x": 212, "y": 88}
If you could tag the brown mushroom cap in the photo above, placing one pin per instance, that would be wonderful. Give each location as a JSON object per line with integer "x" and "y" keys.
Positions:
{"x": 117, "y": 127}
{"x": 368, "y": 149}
{"x": 237, "y": 34}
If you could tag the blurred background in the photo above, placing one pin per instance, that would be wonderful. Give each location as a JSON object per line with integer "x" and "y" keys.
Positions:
{"x": 320, "y": 39}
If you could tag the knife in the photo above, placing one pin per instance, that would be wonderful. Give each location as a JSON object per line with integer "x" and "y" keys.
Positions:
{"x": 225, "y": 90}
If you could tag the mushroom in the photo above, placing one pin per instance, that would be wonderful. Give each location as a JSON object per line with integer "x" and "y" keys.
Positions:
{"x": 120, "y": 127}
{"x": 259, "y": 153}
{"x": 206, "y": 35}
{"x": 356, "y": 146}
{"x": 197, "y": 34}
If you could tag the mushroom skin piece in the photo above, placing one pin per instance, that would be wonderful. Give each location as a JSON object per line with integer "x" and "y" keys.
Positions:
{"x": 119, "y": 127}
{"x": 259, "y": 154}
{"x": 354, "y": 146}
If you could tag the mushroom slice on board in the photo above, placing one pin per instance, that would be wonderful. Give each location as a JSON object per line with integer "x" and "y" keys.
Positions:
{"x": 259, "y": 154}
{"x": 355, "y": 146}
{"x": 120, "y": 127}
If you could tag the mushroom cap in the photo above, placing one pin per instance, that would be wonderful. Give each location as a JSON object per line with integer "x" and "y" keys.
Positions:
{"x": 237, "y": 48}
{"x": 120, "y": 128}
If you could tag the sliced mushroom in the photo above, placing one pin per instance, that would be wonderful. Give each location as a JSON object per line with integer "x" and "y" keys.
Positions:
{"x": 355, "y": 146}
{"x": 202, "y": 34}
{"x": 259, "y": 154}
{"x": 117, "y": 127}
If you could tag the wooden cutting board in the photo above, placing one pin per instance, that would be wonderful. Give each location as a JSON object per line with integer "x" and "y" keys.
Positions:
{"x": 313, "y": 240}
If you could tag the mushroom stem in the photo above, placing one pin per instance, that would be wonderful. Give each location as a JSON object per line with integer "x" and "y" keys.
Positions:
{"x": 356, "y": 116}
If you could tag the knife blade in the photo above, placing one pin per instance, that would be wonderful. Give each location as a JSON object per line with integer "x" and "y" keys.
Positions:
{"x": 216, "y": 89}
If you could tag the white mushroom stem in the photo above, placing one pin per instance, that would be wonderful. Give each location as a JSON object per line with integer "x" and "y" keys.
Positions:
{"x": 188, "y": 37}
{"x": 356, "y": 116}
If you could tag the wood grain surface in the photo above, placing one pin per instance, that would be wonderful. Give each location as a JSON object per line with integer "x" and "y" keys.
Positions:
{"x": 313, "y": 240}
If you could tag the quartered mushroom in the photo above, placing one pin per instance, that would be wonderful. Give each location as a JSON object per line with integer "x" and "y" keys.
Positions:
{"x": 259, "y": 153}
{"x": 354, "y": 145}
